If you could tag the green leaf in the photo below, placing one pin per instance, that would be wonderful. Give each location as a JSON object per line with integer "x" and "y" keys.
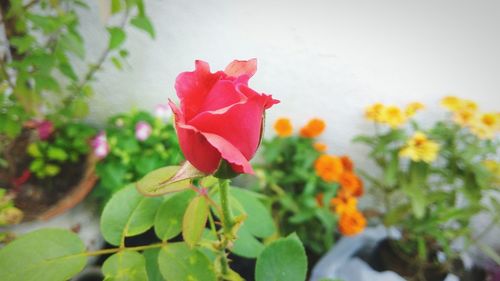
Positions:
{"x": 178, "y": 262}
{"x": 116, "y": 6}
{"x": 125, "y": 266}
{"x": 79, "y": 108}
{"x": 259, "y": 221}
{"x": 168, "y": 179}
{"x": 34, "y": 150}
{"x": 152, "y": 266}
{"x": 127, "y": 213}
{"x": 56, "y": 153}
{"x": 51, "y": 170}
{"x": 43, "y": 255}
{"x": 283, "y": 260}
{"x": 116, "y": 62}
{"x": 417, "y": 199}
{"x": 116, "y": 37}
{"x": 73, "y": 43}
{"x": 194, "y": 220}
{"x": 247, "y": 245}
{"x": 168, "y": 220}
{"x": 144, "y": 23}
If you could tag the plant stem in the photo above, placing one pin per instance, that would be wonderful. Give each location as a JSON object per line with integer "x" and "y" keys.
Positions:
{"x": 227, "y": 220}
{"x": 227, "y": 225}
{"x": 114, "y": 250}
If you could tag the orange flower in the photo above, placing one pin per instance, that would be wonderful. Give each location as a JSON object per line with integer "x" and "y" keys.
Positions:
{"x": 351, "y": 184}
{"x": 347, "y": 163}
{"x": 283, "y": 127}
{"x": 319, "y": 199}
{"x": 320, "y": 147}
{"x": 351, "y": 223}
{"x": 329, "y": 168}
{"x": 342, "y": 204}
{"x": 313, "y": 128}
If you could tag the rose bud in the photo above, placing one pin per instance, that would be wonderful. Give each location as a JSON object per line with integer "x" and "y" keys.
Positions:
{"x": 219, "y": 121}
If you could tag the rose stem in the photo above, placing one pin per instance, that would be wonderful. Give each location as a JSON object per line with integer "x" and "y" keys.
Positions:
{"x": 227, "y": 224}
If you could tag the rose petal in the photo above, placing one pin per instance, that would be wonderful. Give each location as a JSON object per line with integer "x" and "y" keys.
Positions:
{"x": 222, "y": 94}
{"x": 197, "y": 150}
{"x": 241, "y": 67}
{"x": 240, "y": 124}
{"x": 230, "y": 153}
{"x": 192, "y": 87}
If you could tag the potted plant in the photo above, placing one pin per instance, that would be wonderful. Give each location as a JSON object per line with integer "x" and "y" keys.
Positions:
{"x": 44, "y": 159}
{"x": 213, "y": 217}
{"x": 312, "y": 193}
{"x": 432, "y": 183}
{"x": 132, "y": 145}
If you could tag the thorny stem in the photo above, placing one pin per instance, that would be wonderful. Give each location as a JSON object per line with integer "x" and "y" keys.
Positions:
{"x": 227, "y": 225}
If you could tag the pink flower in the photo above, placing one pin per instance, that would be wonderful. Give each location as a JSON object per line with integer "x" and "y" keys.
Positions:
{"x": 44, "y": 129}
{"x": 100, "y": 145}
{"x": 220, "y": 117}
{"x": 163, "y": 112}
{"x": 142, "y": 130}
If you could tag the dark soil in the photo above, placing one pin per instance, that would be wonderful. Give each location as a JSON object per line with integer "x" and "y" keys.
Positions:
{"x": 386, "y": 256}
{"x": 37, "y": 195}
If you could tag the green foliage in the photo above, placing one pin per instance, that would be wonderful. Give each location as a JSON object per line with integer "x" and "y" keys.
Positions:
{"x": 130, "y": 159}
{"x": 58, "y": 254}
{"x": 125, "y": 266}
{"x": 431, "y": 202}
{"x": 282, "y": 260}
{"x": 42, "y": 255}
{"x": 127, "y": 213}
{"x": 9, "y": 214}
{"x": 288, "y": 177}
{"x": 179, "y": 262}
{"x": 39, "y": 77}
{"x": 68, "y": 144}
{"x": 195, "y": 218}
{"x": 168, "y": 220}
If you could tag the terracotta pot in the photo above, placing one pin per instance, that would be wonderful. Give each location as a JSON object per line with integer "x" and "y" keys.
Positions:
{"x": 77, "y": 193}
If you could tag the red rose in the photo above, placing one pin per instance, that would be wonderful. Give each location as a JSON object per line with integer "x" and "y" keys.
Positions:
{"x": 220, "y": 117}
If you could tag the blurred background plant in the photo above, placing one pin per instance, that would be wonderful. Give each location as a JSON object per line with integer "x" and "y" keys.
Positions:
{"x": 434, "y": 181}
{"x": 132, "y": 145}
{"x": 311, "y": 193}
{"x": 42, "y": 54}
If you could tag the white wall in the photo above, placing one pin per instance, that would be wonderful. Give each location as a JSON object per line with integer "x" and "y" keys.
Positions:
{"x": 319, "y": 57}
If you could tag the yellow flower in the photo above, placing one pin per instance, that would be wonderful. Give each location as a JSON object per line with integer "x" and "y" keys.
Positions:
{"x": 469, "y": 105}
{"x": 413, "y": 107}
{"x": 283, "y": 127}
{"x": 420, "y": 148}
{"x": 486, "y": 125}
{"x": 393, "y": 116}
{"x": 494, "y": 168}
{"x": 451, "y": 103}
{"x": 463, "y": 117}
{"x": 374, "y": 112}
